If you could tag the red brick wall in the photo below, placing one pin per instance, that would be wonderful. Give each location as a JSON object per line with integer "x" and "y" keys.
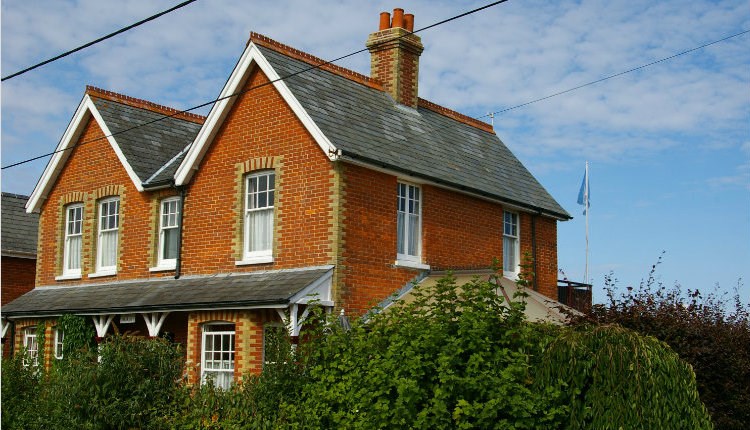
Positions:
{"x": 259, "y": 125}
{"x": 458, "y": 232}
{"x": 17, "y": 277}
{"x": 89, "y": 168}
{"x": 369, "y": 235}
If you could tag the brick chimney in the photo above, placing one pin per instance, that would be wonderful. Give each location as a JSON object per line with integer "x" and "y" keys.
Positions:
{"x": 394, "y": 56}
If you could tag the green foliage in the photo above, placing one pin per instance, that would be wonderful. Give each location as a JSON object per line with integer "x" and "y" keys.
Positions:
{"x": 452, "y": 358}
{"x": 79, "y": 335}
{"x": 20, "y": 386}
{"x": 615, "y": 378}
{"x": 711, "y": 333}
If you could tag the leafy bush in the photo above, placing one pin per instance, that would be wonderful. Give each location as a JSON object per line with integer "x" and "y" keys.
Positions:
{"x": 615, "y": 378}
{"x": 453, "y": 358}
{"x": 711, "y": 333}
{"x": 20, "y": 386}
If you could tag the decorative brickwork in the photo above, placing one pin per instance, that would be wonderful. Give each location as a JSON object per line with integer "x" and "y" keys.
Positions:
{"x": 92, "y": 172}
{"x": 144, "y": 104}
{"x": 394, "y": 61}
{"x": 259, "y": 131}
{"x": 248, "y": 340}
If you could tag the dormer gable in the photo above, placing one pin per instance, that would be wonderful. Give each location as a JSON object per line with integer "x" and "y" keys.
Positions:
{"x": 146, "y": 137}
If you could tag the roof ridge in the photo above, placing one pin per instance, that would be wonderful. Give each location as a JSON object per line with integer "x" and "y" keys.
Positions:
{"x": 320, "y": 63}
{"x": 14, "y": 195}
{"x": 458, "y": 116}
{"x": 144, "y": 104}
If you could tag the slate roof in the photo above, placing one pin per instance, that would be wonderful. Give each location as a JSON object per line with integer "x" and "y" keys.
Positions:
{"x": 368, "y": 126}
{"x": 219, "y": 291}
{"x": 149, "y": 149}
{"x": 19, "y": 229}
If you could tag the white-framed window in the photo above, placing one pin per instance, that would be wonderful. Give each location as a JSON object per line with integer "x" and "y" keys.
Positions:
{"x": 106, "y": 245}
{"x": 275, "y": 344}
{"x": 73, "y": 240}
{"x": 259, "y": 204}
{"x": 217, "y": 354}
{"x": 409, "y": 223}
{"x": 31, "y": 346}
{"x": 510, "y": 244}
{"x": 169, "y": 231}
{"x": 59, "y": 339}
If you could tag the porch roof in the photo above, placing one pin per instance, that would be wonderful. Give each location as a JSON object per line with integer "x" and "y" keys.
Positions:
{"x": 278, "y": 288}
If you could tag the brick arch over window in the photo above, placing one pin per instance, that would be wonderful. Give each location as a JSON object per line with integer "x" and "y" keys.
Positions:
{"x": 248, "y": 329}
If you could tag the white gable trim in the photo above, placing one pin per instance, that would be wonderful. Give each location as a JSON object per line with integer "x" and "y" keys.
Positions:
{"x": 250, "y": 57}
{"x": 85, "y": 110}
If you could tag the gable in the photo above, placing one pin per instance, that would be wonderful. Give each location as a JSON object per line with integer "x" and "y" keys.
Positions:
{"x": 250, "y": 59}
{"x": 85, "y": 112}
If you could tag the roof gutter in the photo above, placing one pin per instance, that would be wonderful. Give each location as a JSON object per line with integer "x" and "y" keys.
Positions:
{"x": 369, "y": 162}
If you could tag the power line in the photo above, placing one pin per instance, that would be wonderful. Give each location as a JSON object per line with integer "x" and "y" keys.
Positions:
{"x": 251, "y": 88}
{"x": 615, "y": 75}
{"x": 94, "y": 42}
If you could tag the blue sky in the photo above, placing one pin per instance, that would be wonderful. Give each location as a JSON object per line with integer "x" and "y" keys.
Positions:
{"x": 668, "y": 145}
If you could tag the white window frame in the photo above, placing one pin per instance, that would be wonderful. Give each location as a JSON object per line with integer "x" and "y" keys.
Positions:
{"x": 405, "y": 259}
{"x": 31, "y": 346}
{"x": 220, "y": 366}
{"x": 162, "y": 262}
{"x": 251, "y": 206}
{"x": 102, "y": 270}
{"x": 71, "y": 224}
{"x": 509, "y": 236}
{"x": 58, "y": 345}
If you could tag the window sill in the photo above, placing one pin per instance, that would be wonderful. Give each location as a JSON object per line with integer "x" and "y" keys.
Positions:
{"x": 163, "y": 267}
{"x": 67, "y": 277}
{"x": 255, "y": 260}
{"x": 103, "y": 273}
{"x": 411, "y": 265}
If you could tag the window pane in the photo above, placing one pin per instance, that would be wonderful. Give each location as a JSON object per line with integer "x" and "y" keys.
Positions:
{"x": 413, "y": 235}
{"x": 73, "y": 253}
{"x": 169, "y": 248}
{"x": 108, "y": 248}
{"x": 401, "y": 233}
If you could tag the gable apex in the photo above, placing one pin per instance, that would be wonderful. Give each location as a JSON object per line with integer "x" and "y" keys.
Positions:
{"x": 86, "y": 110}
{"x": 251, "y": 57}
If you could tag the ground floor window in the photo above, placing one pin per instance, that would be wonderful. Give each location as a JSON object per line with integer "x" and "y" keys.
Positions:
{"x": 59, "y": 337}
{"x": 217, "y": 354}
{"x": 31, "y": 347}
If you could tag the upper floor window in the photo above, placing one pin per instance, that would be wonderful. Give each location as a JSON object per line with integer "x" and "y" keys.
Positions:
{"x": 409, "y": 223}
{"x": 169, "y": 231}
{"x": 73, "y": 240}
{"x": 31, "y": 346}
{"x": 109, "y": 224}
{"x": 510, "y": 244}
{"x": 217, "y": 354}
{"x": 259, "y": 203}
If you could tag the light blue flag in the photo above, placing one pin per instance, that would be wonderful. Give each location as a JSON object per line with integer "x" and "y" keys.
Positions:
{"x": 584, "y": 195}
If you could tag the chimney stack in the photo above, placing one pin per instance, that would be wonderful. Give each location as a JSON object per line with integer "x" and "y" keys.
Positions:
{"x": 394, "y": 56}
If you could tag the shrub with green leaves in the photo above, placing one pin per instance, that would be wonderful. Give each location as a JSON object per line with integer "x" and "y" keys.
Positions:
{"x": 452, "y": 358}
{"x": 710, "y": 332}
{"x": 615, "y": 378}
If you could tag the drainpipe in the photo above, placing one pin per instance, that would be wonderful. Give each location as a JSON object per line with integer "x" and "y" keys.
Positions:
{"x": 533, "y": 250}
{"x": 178, "y": 263}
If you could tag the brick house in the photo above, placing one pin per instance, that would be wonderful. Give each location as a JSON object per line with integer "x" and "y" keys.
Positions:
{"x": 18, "y": 268}
{"x": 306, "y": 181}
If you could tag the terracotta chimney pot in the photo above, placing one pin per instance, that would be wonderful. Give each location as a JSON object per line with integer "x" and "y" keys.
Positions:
{"x": 409, "y": 21}
{"x": 385, "y": 21}
{"x": 398, "y": 18}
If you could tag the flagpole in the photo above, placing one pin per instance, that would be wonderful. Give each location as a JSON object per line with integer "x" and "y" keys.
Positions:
{"x": 587, "y": 209}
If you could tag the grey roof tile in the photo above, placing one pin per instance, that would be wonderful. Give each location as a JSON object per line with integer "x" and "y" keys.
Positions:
{"x": 367, "y": 125}
{"x": 219, "y": 291}
{"x": 148, "y": 148}
{"x": 19, "y": 229}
